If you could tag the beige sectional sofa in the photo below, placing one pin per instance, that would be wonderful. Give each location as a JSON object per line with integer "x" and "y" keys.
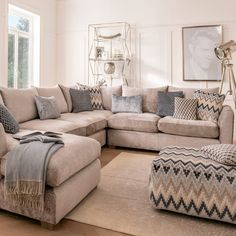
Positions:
{"x": 146, "y": 130}
{"x": 74, "y": 170}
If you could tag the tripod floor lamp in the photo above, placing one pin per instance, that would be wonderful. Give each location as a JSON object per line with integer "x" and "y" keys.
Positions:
{"x": 224, "y": 54}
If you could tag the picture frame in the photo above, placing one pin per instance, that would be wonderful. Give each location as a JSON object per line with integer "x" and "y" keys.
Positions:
{"x": 199, "y": 60}
{"x": 99, "y": 52}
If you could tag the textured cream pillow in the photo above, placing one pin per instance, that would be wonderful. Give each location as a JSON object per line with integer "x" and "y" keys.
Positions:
{"x": 222, "y": 153}
{"x": 185, "y": 108}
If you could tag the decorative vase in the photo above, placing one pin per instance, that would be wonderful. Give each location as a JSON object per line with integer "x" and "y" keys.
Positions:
{"x": 109, "y": 68}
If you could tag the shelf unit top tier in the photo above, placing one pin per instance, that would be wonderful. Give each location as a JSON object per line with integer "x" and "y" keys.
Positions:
{"x": 109, "y": 25}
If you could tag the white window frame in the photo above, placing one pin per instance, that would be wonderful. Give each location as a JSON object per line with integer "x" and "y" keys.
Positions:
{"x": 34, "y": 44}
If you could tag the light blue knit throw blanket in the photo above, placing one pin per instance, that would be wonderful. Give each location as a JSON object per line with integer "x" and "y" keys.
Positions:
{"x": 26, "y": 168}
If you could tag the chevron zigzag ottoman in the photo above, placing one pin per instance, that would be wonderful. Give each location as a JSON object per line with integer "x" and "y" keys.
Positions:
{"x": 183, "y": 181}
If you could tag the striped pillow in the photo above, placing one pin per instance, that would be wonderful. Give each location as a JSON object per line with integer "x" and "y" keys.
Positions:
{"x": 222, "y": 153}
{"x": 185, "y": 108}
{"x": 209, "y": 105}
{"x": 95, "y": 95}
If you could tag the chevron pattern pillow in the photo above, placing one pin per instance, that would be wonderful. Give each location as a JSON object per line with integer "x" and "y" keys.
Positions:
{"x": 209, "y": 105}
{"x": 222, "y": 153}
{"x": 95, "y": 95}
{"x": 185, "y": 108}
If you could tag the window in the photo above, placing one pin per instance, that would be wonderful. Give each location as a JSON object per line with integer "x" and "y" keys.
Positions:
{"x": 23, "y": 48}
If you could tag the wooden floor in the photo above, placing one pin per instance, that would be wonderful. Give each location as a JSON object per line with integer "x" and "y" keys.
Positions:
{"x": 12, "y": 224}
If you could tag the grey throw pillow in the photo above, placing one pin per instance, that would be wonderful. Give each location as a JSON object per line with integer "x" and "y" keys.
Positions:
{"x": 80, "y": 100}
{"x": 166, "y": 102}
{"x": 47, "y": 107}
{"x": 8, "y": 121}
{"x": 222, "y": 153}
{"x": 121, "y": 104}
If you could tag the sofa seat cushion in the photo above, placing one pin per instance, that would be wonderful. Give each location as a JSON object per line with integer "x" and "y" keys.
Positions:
{"x": 55, "y": 126}
{"x": 191, "y": 128}
{"x": 144, "y": 122}
{"x": 92, "y": 121}
{"x": 77, "y": 153}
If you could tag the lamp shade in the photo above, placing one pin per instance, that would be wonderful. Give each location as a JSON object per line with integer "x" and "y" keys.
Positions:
{"x": 224, "y": 50}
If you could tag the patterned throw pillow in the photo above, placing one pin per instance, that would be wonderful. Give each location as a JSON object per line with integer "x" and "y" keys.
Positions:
{"x": 8, "y": 121}
{"x": 222, "y": 153}
{"x": 185, "y": 108}
{"x": 209, "y": 105}
{"x": 47, "y": 107}
{"x": 95, "y": 95}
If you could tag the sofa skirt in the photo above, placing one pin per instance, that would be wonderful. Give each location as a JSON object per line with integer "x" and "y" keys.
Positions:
{"x": 154, "y": 141}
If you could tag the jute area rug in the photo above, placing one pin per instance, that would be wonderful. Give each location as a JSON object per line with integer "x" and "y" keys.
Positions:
{"x": 121, "y": 203}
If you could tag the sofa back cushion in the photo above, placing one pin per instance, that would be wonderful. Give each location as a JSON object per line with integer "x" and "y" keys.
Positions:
{"x": 66, "y": 92}
{"x": 107, "y": 93}
{"x": 57, "y": 93}
{"x": 149, "y": 96}
{"x": 188, "y": 92}
{"x": 21, "y": 103}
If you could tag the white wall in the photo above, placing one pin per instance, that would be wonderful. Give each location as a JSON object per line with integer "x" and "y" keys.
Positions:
{"x": 47, "y": 11}
{"x": 157, "y": 37}
{"x": 157, "y": 27}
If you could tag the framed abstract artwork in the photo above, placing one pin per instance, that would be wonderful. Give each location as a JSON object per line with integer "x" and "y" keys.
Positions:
{"x": 199, "y": 60}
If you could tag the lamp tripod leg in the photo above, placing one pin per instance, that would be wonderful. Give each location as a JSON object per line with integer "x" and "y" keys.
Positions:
{"x": 222, "y": 78}
{"x": 233, "y": 85}
{"x": 230, "y": 79}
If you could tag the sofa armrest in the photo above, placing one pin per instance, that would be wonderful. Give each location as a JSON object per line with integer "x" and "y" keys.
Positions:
{"x": 226, "y": 125}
